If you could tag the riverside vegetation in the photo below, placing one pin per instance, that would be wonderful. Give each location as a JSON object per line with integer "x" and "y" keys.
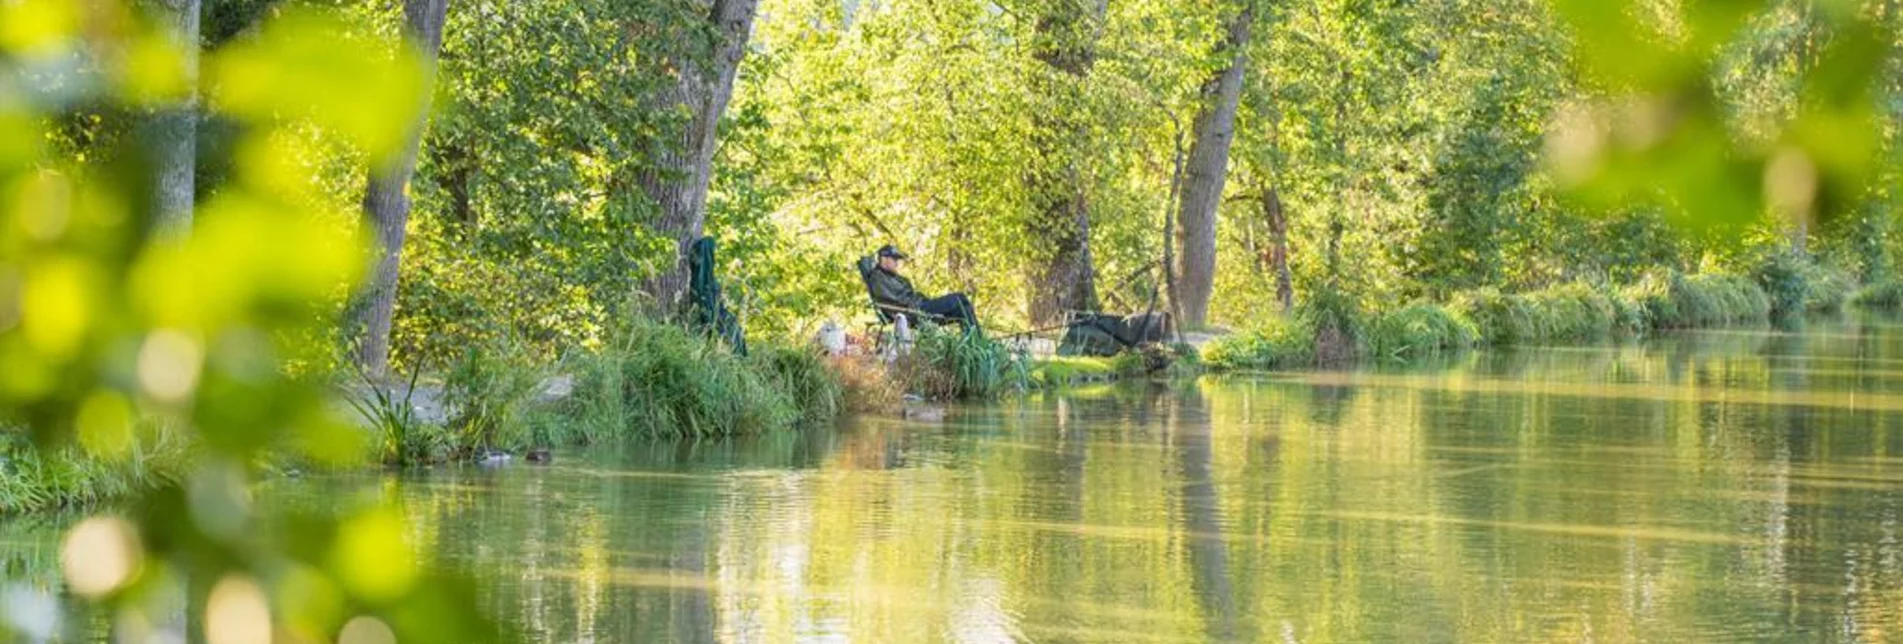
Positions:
{"x": 213, "y": 215}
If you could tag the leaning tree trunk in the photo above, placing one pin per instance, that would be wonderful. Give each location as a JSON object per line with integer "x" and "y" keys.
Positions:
{"x": 1063, "y": 277}
{"x": 1208, "y": 168}
{"x": 683, "y": 166}
{"x": 386, "y": 202}
{"x": 175, "y": 135}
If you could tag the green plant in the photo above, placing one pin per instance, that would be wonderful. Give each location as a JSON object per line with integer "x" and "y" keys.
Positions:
{"x": 658, "y": 381}
{"x": 1420, "y": 330}
{"x": 1827, "y": 288}
{"x": 33, "y": 479}
{"x": 489, "y": 391}
{"x": 965, "y": 364}
{"x": 1782, "y": 273}
{"x": 1281, "y": 342}
{"x": 1885, "y": 295}
{"x": 802, "y": 373}
{"x": 403, "y": 437}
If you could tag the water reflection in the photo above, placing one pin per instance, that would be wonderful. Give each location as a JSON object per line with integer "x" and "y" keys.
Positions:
{"x": 1712, "y": 486}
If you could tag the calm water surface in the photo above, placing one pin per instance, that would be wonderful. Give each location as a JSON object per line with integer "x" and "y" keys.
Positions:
{"x": 1718, "y": 486}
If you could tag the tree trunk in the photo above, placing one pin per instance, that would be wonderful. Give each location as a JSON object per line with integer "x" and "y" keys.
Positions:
{"x": 1064, "y": 276}
{"x": 386, "y": 202}
{"x": 683, "y": 166}
{"x": 1278, "y": 248}
{"x": 1208, "y": 168}
{"x": 175, "y": 140}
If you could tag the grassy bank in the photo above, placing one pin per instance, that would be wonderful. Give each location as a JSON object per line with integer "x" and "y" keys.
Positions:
{"x": 1559, "y": 314}
{"x": 36, "y": 480}
{"x": 1882, "y": 296}
{"x": 648, "y": 381}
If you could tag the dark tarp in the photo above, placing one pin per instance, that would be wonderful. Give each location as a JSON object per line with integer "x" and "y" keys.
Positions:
{"x": 1099, "y": 334}
{"x": 710, "y": 311}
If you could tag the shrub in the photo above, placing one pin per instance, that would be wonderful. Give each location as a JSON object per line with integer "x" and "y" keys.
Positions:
{"x": 1421, "y": 330}
{"x": 1827, "y": 288}
{"x": 1885, "y": 295}
{"x": 1781, "y": 272}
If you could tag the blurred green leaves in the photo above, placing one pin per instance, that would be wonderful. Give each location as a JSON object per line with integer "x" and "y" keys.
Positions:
{"x": 114, "y": 339}
{"x": 1659, "y": 130}
{"x": 349, "y": 84}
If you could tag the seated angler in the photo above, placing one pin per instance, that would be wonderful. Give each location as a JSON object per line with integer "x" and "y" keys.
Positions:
{"x": 892, "y": 290}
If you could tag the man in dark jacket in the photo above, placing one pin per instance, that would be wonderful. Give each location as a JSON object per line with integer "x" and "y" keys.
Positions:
{"x": 890, "y": 289}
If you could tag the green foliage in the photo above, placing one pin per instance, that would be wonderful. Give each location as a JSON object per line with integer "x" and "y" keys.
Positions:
{"x": 661, "y": 381}
{"x": 1063, "y": 371}
{"x": 809, "y": 382}
{"x": 1782, "y": 273}
{"x": 1678, "y": 301}
{"x": 1886, "y": 295}
{"x": 491, "y": 390}
{"x": 35, "y": 480}
{"x": 108, "y": 327}
{"x": 1826, "y": 288}
{"x": 1571, "y": 312}
{"x": 1282, "y": 342}
{"x": 403, "y": 438}
{"x": 946, "y": 364}
{"x": 1420, "y": 330}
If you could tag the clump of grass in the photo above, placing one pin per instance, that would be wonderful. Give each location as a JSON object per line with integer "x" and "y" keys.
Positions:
{"x": 1568, "y": 312}
{"x": 1678, "y": 301}
{"x": 661, "y": 381}
{"x": 1063, "y": 371}
{"x": 867, "y": 385}
{"x": 945, "y": 364}
{"x": 35, "y": 479}
{"x": 1420, "y": 330}
{"x": 803, "y": 375}
{"x": 1886, "y": 295}
{"x": 491, "y": 388}
{"x": 1335, "y": 318}
{"x": 403, "y": 438}
{"x": 1282, "y": 342}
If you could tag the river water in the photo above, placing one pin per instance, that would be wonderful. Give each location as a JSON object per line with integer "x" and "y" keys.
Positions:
{"x": 1711, "y": 486}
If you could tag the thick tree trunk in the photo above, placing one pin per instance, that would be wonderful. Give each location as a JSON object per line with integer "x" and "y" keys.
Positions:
{"x": 175, "y": 135}
{"x": 1063, "y": 277}
{"x": 1208, "y": 169}
{"x": 683, "y": 166}
{"x": 386, "y": 203}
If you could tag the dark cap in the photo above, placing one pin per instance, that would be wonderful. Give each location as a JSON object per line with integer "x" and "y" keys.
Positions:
{"x": 891, "y": 251}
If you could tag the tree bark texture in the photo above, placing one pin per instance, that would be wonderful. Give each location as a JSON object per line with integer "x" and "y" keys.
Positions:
{"x": 683, "y": 166}
{"x": 386, "y": 202}
{"x": 1278, "y": 248}
{"x": 1208, "y": 170}
{"x": 1063, "y": 276}
{"x": 175, "y": 128}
